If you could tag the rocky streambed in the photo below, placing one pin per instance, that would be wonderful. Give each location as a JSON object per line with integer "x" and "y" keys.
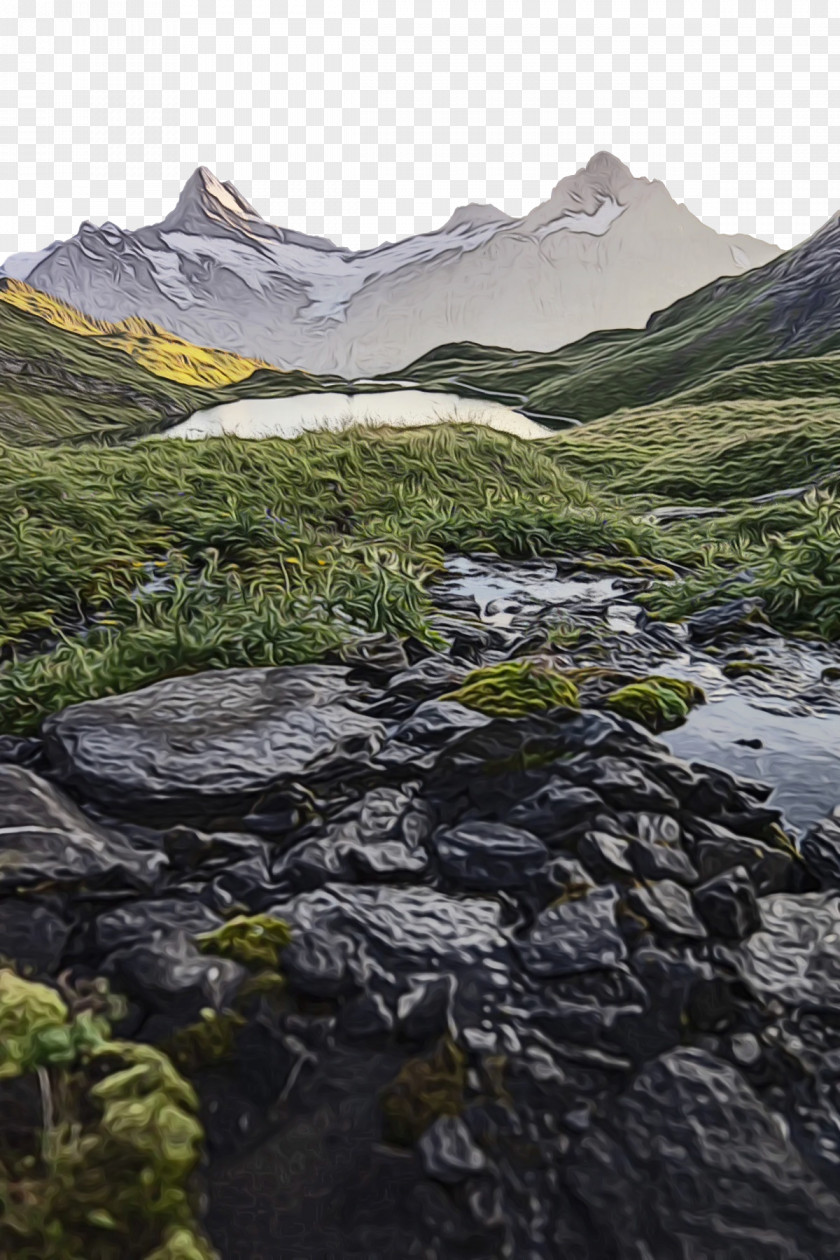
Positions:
{"x": 555, "y": 986}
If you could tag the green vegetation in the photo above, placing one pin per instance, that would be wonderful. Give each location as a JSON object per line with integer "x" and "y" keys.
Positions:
{"x": 265, "y": 552}
{"x": 423, "y": 1090}
{"x": 255, "y": 940}
{"x": 515, "y": 688}
{"x": 106, "y": 1170}
{"x": 656, "y": 702}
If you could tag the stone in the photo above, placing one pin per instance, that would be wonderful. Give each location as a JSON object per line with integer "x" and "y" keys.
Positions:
{"x": 448, "y": 1152}
{"x": 668, "y": 908}
{"x": 794, "y": 957}
{"x": 171, "y": 977}
{"x": 688, "y": 1162}
{"x": 33, "y": 934}
{"x": 653, "y": 861}
{"x": 604, "y": 854}
{"x": 574, "y": 936}
{"x": 46, "y": 839}
{"x": 712, "y": 623}
{"x": 555, "y": 811}
{"x": 728, "y": 905}
{"x": 488, "y": 855}
{"x": 714, "y": 848}
{"x": 820, "y": 849}
{"x": 212, "y": 742}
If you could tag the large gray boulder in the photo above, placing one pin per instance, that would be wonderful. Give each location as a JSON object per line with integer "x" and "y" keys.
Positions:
{"x": 688, "y": 1163}
{"x": 214, "y": 741}
{"x": 45, "y": 839}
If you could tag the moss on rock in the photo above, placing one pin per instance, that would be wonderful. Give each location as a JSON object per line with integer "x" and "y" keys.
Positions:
{"x": 118, "y": 1145}
{"x": 515, "y": 688}
{"x": 656, "y": 702}
{"x": 423, "y": 1090}
{"x": 255, "y": 941}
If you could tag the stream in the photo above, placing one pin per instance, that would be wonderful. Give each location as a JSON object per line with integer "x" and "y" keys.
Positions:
{"x": 788, "y": 710}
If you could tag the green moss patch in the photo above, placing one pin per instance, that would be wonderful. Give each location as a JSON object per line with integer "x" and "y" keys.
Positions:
{"x": 656, "y": 702}
{"x": 423, "y": 1090}
{"x": 515, "y": 688}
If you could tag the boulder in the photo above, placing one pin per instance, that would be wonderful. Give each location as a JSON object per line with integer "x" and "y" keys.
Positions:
{"x": 820, "y": 849}
{"x": 489, "y": 855}
{"x": 794, "y": 957}
{"x": 46, "y": 839}
{"x": 688, "y": 1163}
{"x": 668, "y": 908}
{"x": 32, "y": 934}
{"x": 448, "y": 1152}
{"x": 556, "y": 811}
{"x": 213, "y": 742}
{"x": 574, "y": 936}
{"x": 728, "y": 905}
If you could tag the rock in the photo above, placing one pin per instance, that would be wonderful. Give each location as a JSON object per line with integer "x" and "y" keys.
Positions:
{"x": 794, "y": 957}
{"x": 173, "y": 978}
{"x": 380, "y": 836}
{"x": 46, "y": 839}
{"x": 389, "y": 933}
{"x": 711, "y": 623}
{"x": 728, "y": 905}
{"x": 820, "y": 849}
{"x": 487, "y": 855}
{"x": 448, "y": 1152}
{"x": 604, "y": 854}
{"x": 574, "y": 936}
{"x": 419, "y": 740}
{"x": 667, "y": 906}
{"x": 153, "y": 921}
{"x": 423, "y": 1011}
{"x": 715, "y": 849}
{"x": 660, "y": 861}
{"x": 213, "y": 742}
{"x": 32, "y": 934}
{"x": 21, "y": 750}
{"x": 555, "y": 811}
{"x": 316, "y": 964}
{"x": 688, "y": 1162}
{"x": 623, "y": 784}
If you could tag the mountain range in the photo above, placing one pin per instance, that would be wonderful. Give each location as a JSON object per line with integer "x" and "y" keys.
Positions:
{"x": 605, "y": 251}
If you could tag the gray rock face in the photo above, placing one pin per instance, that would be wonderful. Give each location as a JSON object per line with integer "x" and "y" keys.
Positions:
{"x": 821, "y": 850}
{"x": 213, "y": 741}
{"x": 486, "y": 855}
{"x": 448, "y": 1152}
{"x": 46, "y": 839}
{"x": 728, "y": 905}
{"x": 32, "y": 935}
{"x": 668, "y": 907}
{"x": 580, "y": 935}
{"x": 795, "y": 956}
{"x": 688, "y": 1163}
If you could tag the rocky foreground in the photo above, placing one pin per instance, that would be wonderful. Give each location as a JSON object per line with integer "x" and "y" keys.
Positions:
{"x": 549, "y": 991}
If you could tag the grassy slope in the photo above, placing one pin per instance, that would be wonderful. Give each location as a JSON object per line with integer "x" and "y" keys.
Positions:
{"x": 779, "y": 311}
{"x": 61, "y": 382}
{"x": 272, "y": 549}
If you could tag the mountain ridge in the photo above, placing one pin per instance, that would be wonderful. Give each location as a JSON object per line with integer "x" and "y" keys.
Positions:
{"x": 605, "y": 249}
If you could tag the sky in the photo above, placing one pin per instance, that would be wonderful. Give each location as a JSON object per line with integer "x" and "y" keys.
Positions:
{"x": 349, "y": 121}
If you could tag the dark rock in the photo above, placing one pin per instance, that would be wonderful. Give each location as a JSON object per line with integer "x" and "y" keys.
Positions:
{"x": 660, "y": 861}
{"x": 736, "y": 1188}
{"x": 419, "y": 741}
{"x": 555, "y": 810}
{"x": 152, "y": 922}
{"x": 604, "y": 854}
{"x": 448, "y": 1152}
{"x": 820, "y": 849}
{"x": 574, "y": 936}
{"x": 33, "y": 934}
{"x": 668, "y": 908}
{"x": 316, "y": 964}
{"x": 174, "y": 979}
{"x": 711, "y": 623}
{"x": 728, "y": 905}
{"x": 423, "y": 1011}
{"x": 794, "y": 958}
{"x": 46, "y": 839}
{"x": 715, "y": 849}
{"x": 379, "y": 837}
{"x": 390, "y": 933}
{"x": 624, "y": 784}
{"x": 212, "y": 742}
{"x": 486, "y": 855}
{"x": 22, "y": 750}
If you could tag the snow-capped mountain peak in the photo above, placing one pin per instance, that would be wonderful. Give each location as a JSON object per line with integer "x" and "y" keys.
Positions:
{"x": 606, "y": 250}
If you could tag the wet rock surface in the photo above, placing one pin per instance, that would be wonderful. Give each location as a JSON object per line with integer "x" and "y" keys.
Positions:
{"x": 551, "y": 989}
